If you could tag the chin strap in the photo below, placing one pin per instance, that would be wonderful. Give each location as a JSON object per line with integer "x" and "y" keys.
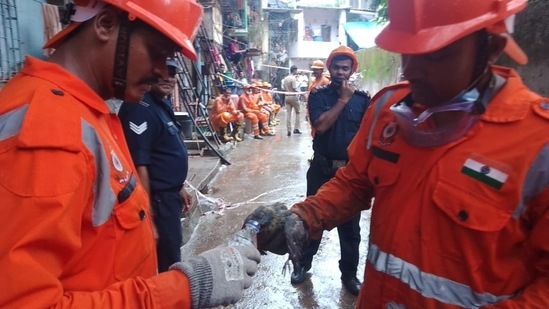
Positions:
{"x": 121, "y": 58}
{"x": 496, "y": 83}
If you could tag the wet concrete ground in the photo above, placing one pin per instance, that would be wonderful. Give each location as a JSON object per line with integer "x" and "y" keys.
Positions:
{"x": 264, "y": 172}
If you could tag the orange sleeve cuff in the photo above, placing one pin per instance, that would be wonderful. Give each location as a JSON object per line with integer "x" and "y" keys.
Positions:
{"x": 172, "y": 290}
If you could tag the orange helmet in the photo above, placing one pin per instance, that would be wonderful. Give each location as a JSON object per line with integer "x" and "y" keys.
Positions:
{"x": 343, "y": 50}
{"x": 317, "y": 64}
{"x": 176, "y": 19}
{"x": 226, "y": 117}
{"x": 424, "y": 26}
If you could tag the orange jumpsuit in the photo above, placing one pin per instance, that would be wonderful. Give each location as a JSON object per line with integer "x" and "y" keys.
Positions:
{"x": 224, "y": 113}
{"x": 247, "y": 104}
{"x": 75, "y": 221}
{"x": 463, "y": 225}
{"x": 317, "y": 82}
{"x": 268, "y": 99}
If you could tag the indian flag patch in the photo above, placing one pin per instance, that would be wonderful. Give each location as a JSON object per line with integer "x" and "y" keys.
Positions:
{"x": 485, "y": 173}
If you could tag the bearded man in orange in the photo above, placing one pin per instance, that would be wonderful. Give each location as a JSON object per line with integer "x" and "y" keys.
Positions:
{"x": 224, "y": 112}
{"x": 319, "y": 81}
{"x": 245, "y": 103}
{"x": 259, "y": 104}
{"x": 269, "y": 104}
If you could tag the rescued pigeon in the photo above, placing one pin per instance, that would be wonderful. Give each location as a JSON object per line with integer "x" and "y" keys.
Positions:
{"x": 281, "y": 231}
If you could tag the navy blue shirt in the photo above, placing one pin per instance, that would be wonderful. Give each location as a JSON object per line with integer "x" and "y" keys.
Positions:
{"x": 333, "y": 143}
{"x": 154, "y": 140}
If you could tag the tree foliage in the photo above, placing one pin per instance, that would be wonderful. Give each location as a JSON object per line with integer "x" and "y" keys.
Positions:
{"x": 380, "y": 6}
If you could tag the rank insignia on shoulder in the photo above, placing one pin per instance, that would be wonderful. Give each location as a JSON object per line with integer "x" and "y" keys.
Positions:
{"x": 143, "y": 103}
{"x": 362, "y": 93}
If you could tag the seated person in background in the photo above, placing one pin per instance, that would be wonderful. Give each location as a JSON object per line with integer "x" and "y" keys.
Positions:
{"x": 219, "y": 78}
{"x": 223, "y": 113}
{"x": 229, "y": 80}
{"x": 263, "y": 108}
{"x": 234, "y": 53}
{"x": 245, "y": 105}
{"x": 242, "y": 80}
{"x": 269, "y": 103}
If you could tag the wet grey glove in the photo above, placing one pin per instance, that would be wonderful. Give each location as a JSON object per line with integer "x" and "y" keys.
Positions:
{"x": 220, "y": 276}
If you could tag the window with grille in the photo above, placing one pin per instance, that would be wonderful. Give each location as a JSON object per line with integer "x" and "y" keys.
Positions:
{"x": 11, "y": 58}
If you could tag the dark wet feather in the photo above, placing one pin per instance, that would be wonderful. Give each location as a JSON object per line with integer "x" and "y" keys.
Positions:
{"x": 281, "y": 231}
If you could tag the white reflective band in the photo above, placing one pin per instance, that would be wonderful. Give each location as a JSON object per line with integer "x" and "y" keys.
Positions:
{"x": 104, "y": 198}
{"x": 429, "y": 285}
{"x": 11, "y": 122}
{"x": 535, "y": 182}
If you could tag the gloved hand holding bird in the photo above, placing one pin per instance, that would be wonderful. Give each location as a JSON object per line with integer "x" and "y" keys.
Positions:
{"x": 281, "y": 231}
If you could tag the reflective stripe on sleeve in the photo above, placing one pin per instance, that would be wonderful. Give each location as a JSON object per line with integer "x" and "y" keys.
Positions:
{"x": 10, "y": 122}
{"x": 429, "y": 285}
{"x": 104, "y": 197}
{"x": 536, "y": 180}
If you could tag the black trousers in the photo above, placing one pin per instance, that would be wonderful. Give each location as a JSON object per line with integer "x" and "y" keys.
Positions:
{"x": 167, "y": 219}
{"x": 349, "y": 232}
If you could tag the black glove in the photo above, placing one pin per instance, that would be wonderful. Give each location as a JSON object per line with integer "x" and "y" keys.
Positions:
{"x": 281, "y": 231}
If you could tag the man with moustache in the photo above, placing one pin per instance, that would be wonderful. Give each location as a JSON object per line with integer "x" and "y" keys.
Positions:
{"x": 76, "y": 225}
{"x": 160, "y": 157}
{"x": 335, "y": 111}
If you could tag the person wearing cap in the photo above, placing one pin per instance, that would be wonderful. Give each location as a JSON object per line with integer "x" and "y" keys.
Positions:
{"x": 319, "y": 81}
{"x": 160, "y": 157}
{"x": 223, "y": 113}
{"x": 336, "y": 111}
{"x": 77, "y": 227}
{"x": 289, "y": 85}
{"x": 453, "y": 164}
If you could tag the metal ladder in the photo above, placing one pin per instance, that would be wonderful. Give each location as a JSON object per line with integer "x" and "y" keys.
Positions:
{"x": 193, "y": 97}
